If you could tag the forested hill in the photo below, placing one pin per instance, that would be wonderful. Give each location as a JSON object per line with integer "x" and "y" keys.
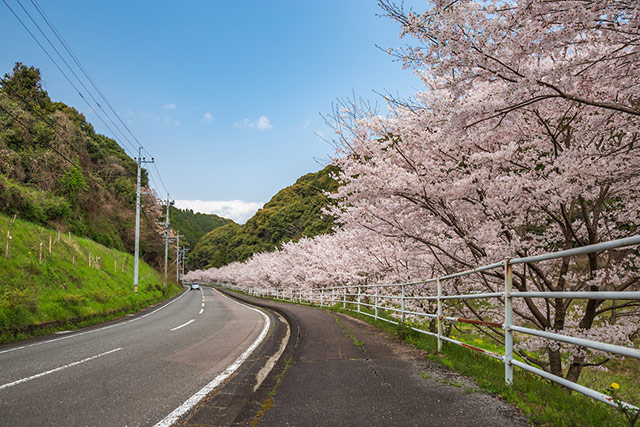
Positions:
{"x": 55, "y": 170}
{"x": 293, "y": 213}
{"x": 194, "y": 225}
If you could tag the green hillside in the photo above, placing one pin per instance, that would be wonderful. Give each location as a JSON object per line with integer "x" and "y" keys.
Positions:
{"x": 293, "y": 213}
{"x": 194, "y": 225}
{"x": 55, "y": 170}
{"x": 79, "y": 282}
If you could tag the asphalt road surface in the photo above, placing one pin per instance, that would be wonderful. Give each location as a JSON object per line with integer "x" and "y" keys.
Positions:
{"x": 132, "y": 372}
{"x": 341, "y": 371}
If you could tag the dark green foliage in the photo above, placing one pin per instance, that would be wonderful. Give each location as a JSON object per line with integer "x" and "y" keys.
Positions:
{"x": 31, "y": 204}
{"x": 214, "y": 249}
{"x": 72, "y": 182}
{"x": 25, "y": 83}
{"x": 194, "y": 225}
{"x": 295, "y": 212}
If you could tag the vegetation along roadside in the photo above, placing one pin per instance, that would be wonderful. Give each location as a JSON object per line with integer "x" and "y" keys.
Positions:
{"x": 54, "y": 281}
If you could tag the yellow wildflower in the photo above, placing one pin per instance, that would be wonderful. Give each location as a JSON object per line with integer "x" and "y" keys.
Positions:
{"x": 615, "y": 386}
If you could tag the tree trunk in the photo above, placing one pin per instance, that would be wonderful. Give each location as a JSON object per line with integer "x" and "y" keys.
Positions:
{"x": 555, "y": 362}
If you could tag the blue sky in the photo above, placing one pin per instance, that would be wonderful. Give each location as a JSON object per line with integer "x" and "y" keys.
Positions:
{"x": 227, "y": 95}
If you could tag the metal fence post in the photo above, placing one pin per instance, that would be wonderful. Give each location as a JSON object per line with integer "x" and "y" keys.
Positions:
{"x": 358, "y": 299}
{"x": 439, "y": 299}
{"x": 402, "y": 306}
{"x": 508, "y": 321}
{"x": 332, "y": 297}
{"x": 321, "y": 297}
{"x": 344, "y": 297}
{"x": 376, "y": 304}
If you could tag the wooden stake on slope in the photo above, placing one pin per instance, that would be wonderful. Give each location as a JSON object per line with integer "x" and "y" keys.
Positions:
{"x": 40, "y": 256}
{"x": 6, "y": 249}
{"x": 49, "y": 244}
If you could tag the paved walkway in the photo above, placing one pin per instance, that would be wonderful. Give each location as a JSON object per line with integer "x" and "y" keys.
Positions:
{"x": 341, "y": 371}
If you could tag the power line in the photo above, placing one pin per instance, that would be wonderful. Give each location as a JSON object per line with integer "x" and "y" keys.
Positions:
{"x": 75, "y": 75}
{"x": 160, "y": 178}
{"x": 52, "y": 124}
{"x": 88, "y": 77}
{"x": 93, "y": 84}
{"x": 84, "y": 71}
{"x": 57, "y": 66}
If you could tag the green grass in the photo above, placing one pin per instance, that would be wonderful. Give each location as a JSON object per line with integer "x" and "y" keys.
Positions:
{"x": 79, "y": 283}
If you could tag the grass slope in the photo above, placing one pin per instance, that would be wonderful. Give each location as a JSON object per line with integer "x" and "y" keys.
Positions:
{"x": 80, "y": 282}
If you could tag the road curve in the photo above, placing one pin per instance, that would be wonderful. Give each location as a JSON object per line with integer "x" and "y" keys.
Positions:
{"x": 133, "y": 372}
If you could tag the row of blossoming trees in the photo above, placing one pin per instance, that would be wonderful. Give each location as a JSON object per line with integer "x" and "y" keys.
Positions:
{"x": 524, "y": 141}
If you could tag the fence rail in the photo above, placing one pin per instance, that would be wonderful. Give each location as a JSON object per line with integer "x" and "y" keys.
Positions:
{"x": 351, "y": 298}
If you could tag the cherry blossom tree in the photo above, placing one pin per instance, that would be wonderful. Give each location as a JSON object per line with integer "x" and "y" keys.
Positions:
{"x": 524, "y": 141}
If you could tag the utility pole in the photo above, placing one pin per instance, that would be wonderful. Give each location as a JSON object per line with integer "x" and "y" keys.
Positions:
{"x": 178, "y": 258}
{"x": 166, "y": 239}
{"x": 136, "y": 256}
{"x": 184, "y": 258}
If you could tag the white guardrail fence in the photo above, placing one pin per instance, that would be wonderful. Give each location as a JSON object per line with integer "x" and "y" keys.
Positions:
{"x": 393, "y": 298}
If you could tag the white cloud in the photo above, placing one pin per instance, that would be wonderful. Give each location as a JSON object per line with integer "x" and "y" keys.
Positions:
{"x": 263, "y": 123}
{"x": 207, "y": 117}
{"x": 237, "y": 210}
{"x": 169, "y": 107}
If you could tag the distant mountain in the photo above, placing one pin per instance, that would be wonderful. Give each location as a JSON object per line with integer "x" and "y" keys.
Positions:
{"x": 194, "y": 225}
{"x": 293, "y": 213}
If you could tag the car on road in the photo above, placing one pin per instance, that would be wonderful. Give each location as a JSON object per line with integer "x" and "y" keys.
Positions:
{"x": 194, "y": 285}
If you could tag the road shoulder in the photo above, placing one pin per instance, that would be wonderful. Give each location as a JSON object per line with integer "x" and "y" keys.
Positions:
{"x": 347, "y": 372}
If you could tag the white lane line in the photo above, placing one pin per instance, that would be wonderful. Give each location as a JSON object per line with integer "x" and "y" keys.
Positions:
{"x": 193, "y": 400}
{"x": 42, "y": 374}
{"x": 260, "y": 376}
{"x": 203, "y": 304}
{"x": 183, "y": 325}
{"x": 201, "y": 310}
{"x": 93, "y": 330}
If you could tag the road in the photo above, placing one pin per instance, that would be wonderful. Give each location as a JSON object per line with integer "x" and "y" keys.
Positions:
{"x": 133, "y": 372}
{"x": 341, "y": 371}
